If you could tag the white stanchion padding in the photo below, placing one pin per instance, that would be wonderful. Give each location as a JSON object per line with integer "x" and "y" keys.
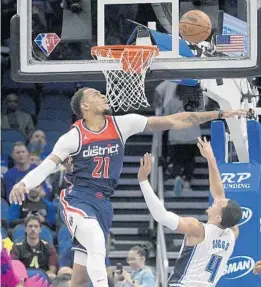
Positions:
{"x": 229, "y": 95}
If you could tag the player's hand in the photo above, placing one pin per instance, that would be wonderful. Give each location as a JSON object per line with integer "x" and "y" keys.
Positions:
{"x": 205, "y": 148}
{"x": 145, "y": 167}
{"x": 257, "y": 268}
{"x": 17, "y": 193}
{"x": 237, "y": 113}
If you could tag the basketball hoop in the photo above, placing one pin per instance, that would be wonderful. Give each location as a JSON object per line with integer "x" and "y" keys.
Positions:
{"x": 125, "y": 84}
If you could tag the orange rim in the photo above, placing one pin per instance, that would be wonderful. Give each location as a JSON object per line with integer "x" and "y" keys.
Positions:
{"x": 118, "y": 49}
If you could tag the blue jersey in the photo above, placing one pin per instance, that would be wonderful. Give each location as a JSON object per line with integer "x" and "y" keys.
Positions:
{"x": 99, "y": 158}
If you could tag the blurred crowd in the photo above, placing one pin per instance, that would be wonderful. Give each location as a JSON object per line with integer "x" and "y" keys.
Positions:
{"x": 30, "y": 231}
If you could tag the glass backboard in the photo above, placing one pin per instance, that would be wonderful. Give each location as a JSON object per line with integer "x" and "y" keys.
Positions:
{"x": 52, "y": 38}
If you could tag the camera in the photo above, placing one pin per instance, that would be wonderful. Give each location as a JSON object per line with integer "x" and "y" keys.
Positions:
{"x": 73, "y": 5}
{"x": 119, "y": 269}
{"x": 192, "y": 97}
{"x": 35, "y": 212}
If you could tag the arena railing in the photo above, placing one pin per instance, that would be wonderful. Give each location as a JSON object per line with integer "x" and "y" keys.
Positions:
{"x": 154, "y": 170}
{"x": 162, "y": 262}
{"x": 157, "y": 183}
{"x": 156, "y": 153}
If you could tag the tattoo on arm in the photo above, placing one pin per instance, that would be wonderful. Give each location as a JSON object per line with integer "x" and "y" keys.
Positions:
{"x": 195, "y": 118}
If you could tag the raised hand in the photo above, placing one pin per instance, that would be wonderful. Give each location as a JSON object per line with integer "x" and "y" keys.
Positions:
{"x": 205, "y": 148}
{"x": 17, "y": 193}
{"x": 145, "y": 167}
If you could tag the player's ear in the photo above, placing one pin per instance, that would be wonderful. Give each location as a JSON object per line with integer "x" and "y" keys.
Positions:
{"x": 85, "y": 106}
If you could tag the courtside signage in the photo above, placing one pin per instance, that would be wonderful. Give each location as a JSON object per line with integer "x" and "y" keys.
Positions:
{"x": 236, "y": 180}
{"x": 246, "y": 215}
{"x": 238, "y": 267}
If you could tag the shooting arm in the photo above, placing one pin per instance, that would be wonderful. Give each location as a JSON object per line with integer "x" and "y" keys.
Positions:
{"x": 215, "y": 181}
{"x": 185, "y": 225}
{"x": 180, "y": 120}
{"x": 156, "y": 207}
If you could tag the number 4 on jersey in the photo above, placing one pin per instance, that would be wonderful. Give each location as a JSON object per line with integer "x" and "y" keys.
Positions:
{"x": 213, "y": 266}
{"x": 102, "y": 167}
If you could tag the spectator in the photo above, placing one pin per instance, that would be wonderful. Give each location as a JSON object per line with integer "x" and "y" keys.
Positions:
{"x": 22, "y": 166}
{"x": 63, "y": 280}
{"x": 38, "y": 145}
{"x": 34, "y": 158}
{"x": 4, "y": 163}
{"x": 33, "y": 252}
{"x": 55, "y": 182}
{"x": 257, "y": 268}
{"x": 3, "y": 193}
{"x": 16, "y": 119}
{"x": 33, "y": 204}
{"x": 140, "y": 276}
{"x": 182, "y": 143}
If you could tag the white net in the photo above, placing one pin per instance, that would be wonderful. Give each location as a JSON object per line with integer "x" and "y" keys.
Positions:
{"x": 125, "y": 86}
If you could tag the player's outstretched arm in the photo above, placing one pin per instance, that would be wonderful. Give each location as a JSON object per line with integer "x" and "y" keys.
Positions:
{"x": 215, "y": 181}
{"x": 185, "y": 225}
{"x": 189, "y": 119}
{"x": 66, "y": 145}
{"x": 216, "y": 186}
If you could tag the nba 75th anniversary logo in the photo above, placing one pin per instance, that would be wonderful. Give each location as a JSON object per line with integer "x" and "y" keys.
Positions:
{"x": 47, "y": 42}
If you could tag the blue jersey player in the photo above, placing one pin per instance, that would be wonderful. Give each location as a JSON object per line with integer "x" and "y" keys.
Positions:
{"x": 96, "y": 146}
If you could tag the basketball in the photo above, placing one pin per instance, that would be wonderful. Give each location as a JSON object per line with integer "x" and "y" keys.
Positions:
{"x": 195, "y": 26}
